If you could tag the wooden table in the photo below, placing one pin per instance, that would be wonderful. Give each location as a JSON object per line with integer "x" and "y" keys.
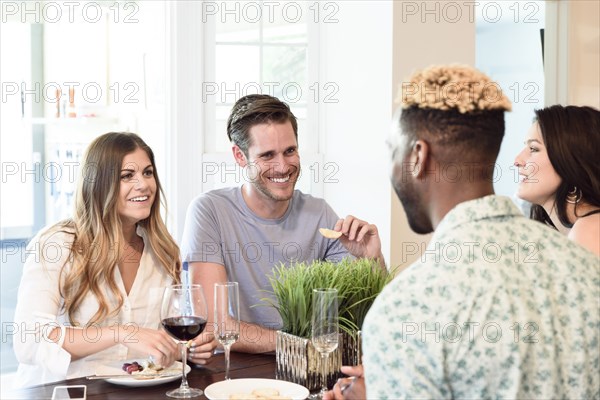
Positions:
{"x": 242, "y": 366}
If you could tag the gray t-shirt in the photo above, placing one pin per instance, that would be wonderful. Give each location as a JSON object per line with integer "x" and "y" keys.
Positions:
{"x": 220, "y": 228}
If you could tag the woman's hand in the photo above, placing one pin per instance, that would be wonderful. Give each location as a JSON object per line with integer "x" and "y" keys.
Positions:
{"x": 156, "y": 343}
{"x": 202, "y": 348}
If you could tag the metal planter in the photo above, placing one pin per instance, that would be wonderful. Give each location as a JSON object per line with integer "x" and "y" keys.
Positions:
{"x": 299, "y": 362}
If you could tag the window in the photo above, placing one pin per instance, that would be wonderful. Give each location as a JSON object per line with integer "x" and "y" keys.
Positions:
{"x": 15, "y": 133}
{"x": 509, "y": 49}
{"x": 258, "y": 47}
{"x": 113, "y": 56}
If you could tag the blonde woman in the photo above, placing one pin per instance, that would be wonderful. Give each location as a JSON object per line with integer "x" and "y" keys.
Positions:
{"x": 92, "y": 285}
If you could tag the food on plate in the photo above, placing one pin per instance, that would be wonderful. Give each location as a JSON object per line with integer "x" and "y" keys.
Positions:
{"x": 265, "y": 392}
{"x": 330, "y": 234}
{"x": 259, "y": 394}
{"x": 130, "y": 368}
{"x": 145, "y": 368}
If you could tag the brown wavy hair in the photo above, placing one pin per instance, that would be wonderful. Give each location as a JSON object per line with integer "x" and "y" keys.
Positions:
{"x": 97, "y": 230}
{"x": 571, "y": 135}
{"x": 255, "y": 109}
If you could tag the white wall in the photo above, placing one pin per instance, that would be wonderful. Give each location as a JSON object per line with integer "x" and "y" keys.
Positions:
{"x": 419, "y": 41}
{"x": 584, "y": 47}
{"x": 355, "y": 54}
{"x": 572, "y": 65}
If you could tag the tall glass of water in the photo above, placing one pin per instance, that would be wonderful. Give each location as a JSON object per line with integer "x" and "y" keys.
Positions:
{"x": 227, "y": 317}
{"x": 325, "y": 328}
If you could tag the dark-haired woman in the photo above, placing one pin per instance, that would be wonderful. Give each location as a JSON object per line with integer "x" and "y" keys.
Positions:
{"x": 559, "y": 171}
{"x": 92, "y": 285}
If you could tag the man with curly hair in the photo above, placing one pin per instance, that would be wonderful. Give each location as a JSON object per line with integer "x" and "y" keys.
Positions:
{"x": 498, "y": 306}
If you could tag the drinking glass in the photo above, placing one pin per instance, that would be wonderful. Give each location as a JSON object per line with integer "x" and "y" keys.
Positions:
{"x": 184, "y": 314}
{"x": 227, "y": 317}
{"x": 325, "y": 329}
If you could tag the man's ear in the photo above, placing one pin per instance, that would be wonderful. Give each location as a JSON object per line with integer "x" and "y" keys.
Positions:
{"x": 239, "y": 156}
{"x": 419, "y": 157}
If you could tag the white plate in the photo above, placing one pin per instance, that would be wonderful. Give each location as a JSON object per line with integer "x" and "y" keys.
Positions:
{"x": 129, "y": 380}
{"x": 222, "y": 390}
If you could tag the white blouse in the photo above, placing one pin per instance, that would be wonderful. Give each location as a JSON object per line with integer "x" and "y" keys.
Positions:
{"x": 39, "y": 311}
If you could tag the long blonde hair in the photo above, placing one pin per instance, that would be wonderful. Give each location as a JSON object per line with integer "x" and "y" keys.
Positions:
{"x": 97, "y": 229}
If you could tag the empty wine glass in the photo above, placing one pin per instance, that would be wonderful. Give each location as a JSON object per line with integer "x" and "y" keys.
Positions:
{"x": 227, "y": 317}
{"x": 325, "y": 329}
{"x": 184, "y": 314}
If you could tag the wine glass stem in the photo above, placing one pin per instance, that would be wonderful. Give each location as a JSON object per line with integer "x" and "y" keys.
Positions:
{"x": 227, "y": 349}
{"x": 324, "y": 369}
{"x": 184, "y": 383}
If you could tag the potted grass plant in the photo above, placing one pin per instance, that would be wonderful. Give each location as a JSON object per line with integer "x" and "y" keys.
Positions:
{"x": 358, "y": 282}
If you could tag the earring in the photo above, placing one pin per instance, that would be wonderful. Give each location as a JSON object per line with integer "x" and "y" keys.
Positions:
{"x": 574, "y": 196}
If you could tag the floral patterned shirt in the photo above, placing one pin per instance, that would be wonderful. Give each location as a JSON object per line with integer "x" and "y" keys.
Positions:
{"x": 498, "y": 306}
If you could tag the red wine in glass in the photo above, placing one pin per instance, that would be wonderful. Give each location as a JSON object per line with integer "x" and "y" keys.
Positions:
{"x": 183, "y": 315}
{"x": 184, "y": 328}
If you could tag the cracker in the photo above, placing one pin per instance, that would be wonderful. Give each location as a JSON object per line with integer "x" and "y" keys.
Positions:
{"x": 242, "y": 396}
{"x": 330, "y": 234}
{"x": 265, "y": 392}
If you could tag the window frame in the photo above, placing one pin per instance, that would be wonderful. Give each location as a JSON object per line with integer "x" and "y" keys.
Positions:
{"x": 191, "y": 120}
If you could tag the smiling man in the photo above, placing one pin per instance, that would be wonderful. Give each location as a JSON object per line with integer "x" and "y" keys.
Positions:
{"x": 240, "y": 233}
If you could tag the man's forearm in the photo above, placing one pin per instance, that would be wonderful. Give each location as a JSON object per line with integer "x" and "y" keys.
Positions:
{"x": 255, "y": 339}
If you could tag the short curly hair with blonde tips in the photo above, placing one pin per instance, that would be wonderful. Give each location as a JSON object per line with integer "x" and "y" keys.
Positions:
{"x": 447, "y": 87}
{"x": 457, "y": 109}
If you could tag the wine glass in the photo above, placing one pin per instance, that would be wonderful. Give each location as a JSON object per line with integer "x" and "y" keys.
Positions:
{"x": 227, "y": 317}
{"x": 325, "y": 329}
{"x": 184, "y": 315}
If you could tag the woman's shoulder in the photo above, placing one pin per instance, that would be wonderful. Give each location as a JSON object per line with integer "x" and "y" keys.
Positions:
{"x": 51, "y": 247}
{"x": 60, "y": 234}
{"x": 586, "y": 232}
